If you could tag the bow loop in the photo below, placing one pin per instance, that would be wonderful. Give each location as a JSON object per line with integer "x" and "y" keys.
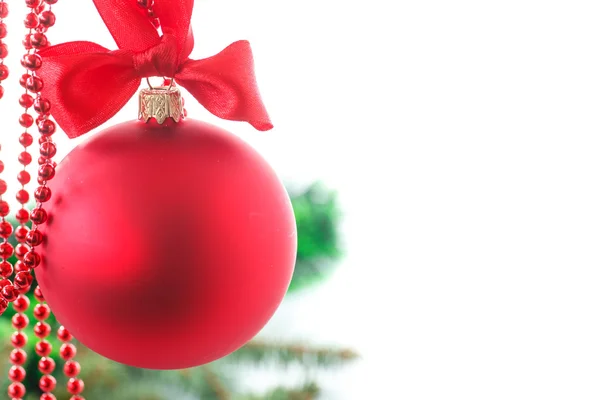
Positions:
{"x": 88, "y": 84}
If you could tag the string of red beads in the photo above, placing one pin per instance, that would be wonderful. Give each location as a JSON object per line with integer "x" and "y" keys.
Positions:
{"x": 68, "y": 351}
{"x": 16, "y": 373}
{"x": 7, "y": 290}
{"x": 41, "y": 19}
{"x": 43, "y": 348}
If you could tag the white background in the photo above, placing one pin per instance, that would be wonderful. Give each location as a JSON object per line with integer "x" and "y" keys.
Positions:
{"x": 462, "y": 137}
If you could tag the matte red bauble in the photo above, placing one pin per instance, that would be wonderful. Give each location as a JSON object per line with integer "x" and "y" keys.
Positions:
{"x": 168, "y": 246}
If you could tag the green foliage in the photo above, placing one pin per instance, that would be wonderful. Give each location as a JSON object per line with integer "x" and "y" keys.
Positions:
{"x": 317, "y": 218}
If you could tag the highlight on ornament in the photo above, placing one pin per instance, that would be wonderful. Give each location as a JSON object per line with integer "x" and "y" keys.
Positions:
{"x": 159, "y": 233}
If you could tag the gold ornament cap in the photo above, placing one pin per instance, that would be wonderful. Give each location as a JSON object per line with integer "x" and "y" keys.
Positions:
{"x": 160, "y": 103}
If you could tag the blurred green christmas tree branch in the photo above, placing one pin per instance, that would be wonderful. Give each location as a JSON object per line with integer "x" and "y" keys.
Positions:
{"x": 317, "y": 218}
{"x": 259, "y": 351}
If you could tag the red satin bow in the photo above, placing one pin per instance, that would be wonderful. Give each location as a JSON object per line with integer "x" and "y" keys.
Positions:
{"x": 88, "y": 84}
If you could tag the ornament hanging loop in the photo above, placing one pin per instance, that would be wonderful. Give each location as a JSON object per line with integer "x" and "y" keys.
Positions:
{"x": 171, "y": 80}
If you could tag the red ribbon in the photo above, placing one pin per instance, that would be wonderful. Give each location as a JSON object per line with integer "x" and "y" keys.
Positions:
{"x": 88, "y": 84}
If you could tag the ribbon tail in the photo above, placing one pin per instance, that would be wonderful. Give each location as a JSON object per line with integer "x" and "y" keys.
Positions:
{"x": 225, "y": 85}
{"x": 89, "y": 84}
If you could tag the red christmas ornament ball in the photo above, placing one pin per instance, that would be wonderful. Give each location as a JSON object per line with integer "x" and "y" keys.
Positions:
{"x": 168, "y": 246}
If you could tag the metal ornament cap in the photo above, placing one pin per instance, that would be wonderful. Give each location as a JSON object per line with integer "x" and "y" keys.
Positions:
{"x": 160, "y": 103}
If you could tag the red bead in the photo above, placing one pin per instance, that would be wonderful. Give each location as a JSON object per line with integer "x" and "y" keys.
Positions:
{"x": 23, "y": 177}
{"x": 47, "y": 19}
{"x": 43, "y": 194}
{"x": 26, "y": 120}
{"x": 72, "y": 368}
{"x": 63, "y": 334}
{"x": 23, "y": 80}
{"x": 42, "y": 105}
{"x": 18, "y": 356}
{"x": 23, "y": 279}
{"x": 68, "y": 351}
{"x": 20, "y": 321}
{"x": 6, "y": 269}
{"x": 48, "y": 149}
{"x": 46, "y": 365}
{"x": 26, "y": 42}
{"x": 4, "y": 282}
{"x": 43, "y": 348}
{"x": 3, "y": 72}
{"x": 37, "y": 293}
{"x": 16, "y": 390}
{"x": 34, "y": 84}
{"x": 4, "y": 208}
{"x": 34, "y": 237}
{"x": 21, "y": 304}
{"x": 38, "y": 40}
{"x": 47, "y": 383}
{"x": 3, "y": 10}
{"x": 16, "y": 373}
{"x": 47, "y": 396}
{"x": 41, "y": 329}
{"x": 75, "y": 386}
{"x": 26, "y": 100}
{"x": 41, "y": 311}
{"x": 22, "y": 215}
{"x": 46, "y": 171}
{"x": 3, "y": 30}
{"x": 1, "y": 166}
{"x": 39, "y": 216}
{"x": 3, "y": 50}
{"x": 6, "y": 229}
{"x": 26, "y": 139}
{"x": 21, "y": 250}
{"x": 33, "y": 3}
{"x": 18, "y": 339}
{"x": 6, "y": 250}
{"x": 32, "y": 62}
{"x": 32, "y": 259}
{"x": 1, "y": 91}
{"x": 10, "y": 293}
{"x": 21, "y": 233}
{"x": 47, "y": 127}
{"x": 25, "y": 158}
{"x": 22, "y": 196}
{"x": 31, "y": 21}
{"x": 3, "y": 305}
{"x": 77, "y": 398}
{"x": 20, "y": 267}
{"x": 2, "y": 186}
